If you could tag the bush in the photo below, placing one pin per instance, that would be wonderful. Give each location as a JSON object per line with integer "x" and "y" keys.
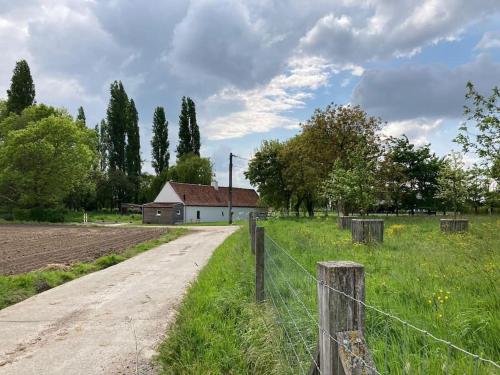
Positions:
{"x": 51, "y": 215}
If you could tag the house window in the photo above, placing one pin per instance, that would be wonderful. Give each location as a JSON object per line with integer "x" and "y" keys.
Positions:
{"x": 197, "y": 215}
{"x": 178, "y": 212}
{"x": 158, "y": 212}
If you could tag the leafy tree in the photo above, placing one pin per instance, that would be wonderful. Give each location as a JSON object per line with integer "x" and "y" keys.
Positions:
{"x": 477, "y": 187}
{"x": 185, "y": 145}
{"x": 103, "y": 144}
{"x": 192, "y": 169}
{"x": 3, "y": 110}
{"x": 484, "y": 113}
{"x": 159, "y": 143}
{"x": 351, "y": 188}
{"x": 300, "y": 173}
{"x": 265, "y": 171}
{"x": 117, "y": 126}
{"x": 30, "y": 114}
{"x": 22, "y": 89}
{"x": 45, "y": 161}
{"x": 409, "y": 174}
{"x": 193, "y": 127}
{"x": 133, "y": 147}
{"x": 452, "y": 182}
{"x": 81, "y": 116}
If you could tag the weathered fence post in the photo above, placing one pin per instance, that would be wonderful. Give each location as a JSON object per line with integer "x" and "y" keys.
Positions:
{"x": 367, "y": 230}
{"x": 250, "y": 217}
{"x": 253, "y": 226}
{"x": 259, "y": 264}
{"x": 342, "y": 319}
{"x": 454, "y": 225}
{"x": 344, "y": 222}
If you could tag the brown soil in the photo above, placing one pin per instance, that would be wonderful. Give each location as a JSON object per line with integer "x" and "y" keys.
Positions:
{"x": 25, "y": 248}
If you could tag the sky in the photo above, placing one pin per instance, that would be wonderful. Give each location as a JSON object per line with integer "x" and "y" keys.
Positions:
{"x": 256, "y": 69}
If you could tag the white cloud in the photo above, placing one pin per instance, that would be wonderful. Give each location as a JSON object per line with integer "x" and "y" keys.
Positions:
{"x": 489, "y": 40}
{"x": 417, "y": 130}
{"x": 268, "y": 107}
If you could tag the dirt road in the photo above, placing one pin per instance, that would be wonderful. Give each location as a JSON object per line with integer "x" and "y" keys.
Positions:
{"x": 108, "y": 322}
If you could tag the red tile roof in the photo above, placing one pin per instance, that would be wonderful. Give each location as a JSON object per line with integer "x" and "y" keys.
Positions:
{"x": 206, "y": 195}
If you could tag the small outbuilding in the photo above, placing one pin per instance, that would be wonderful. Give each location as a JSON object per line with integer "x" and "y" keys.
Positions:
{"x": 193, "y": 203}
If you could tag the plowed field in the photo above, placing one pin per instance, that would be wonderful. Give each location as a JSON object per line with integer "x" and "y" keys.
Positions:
{"x": 25, "y": 248}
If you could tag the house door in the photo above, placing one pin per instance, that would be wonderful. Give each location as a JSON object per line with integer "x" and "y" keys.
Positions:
{"x": 197, "y": 215}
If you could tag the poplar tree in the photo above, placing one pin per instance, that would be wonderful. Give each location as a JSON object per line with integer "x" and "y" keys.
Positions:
{"x": 133, "y": 147}
{"x": 117, "y": 121}
{"x": 185, "y": 145}
{"x": 81, "y": 116}
{"x": 22, "y": 89}
{"x": 159, "y": 143}
{"x": 103, "y": 144}
{"x": 193, "y": 127}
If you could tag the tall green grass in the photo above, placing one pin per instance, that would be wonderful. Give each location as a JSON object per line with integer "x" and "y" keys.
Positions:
{"x": 447, "y": 284}
{"x": 15, "y": 288}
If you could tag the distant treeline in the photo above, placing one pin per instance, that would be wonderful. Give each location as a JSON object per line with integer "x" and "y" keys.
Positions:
{"x": 340, "y": 161}
{"x": 50, "y": 161}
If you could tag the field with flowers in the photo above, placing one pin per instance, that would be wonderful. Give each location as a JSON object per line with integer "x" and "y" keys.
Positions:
{"x": 446, "y": 284}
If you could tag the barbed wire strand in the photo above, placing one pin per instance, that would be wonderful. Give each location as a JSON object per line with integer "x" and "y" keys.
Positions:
{"x": 389, "y": 315}
{"x": 295, "y": 324}
{"x": 286, "y": 333}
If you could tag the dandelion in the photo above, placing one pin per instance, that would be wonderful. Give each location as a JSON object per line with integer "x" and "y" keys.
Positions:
{"x": 430, "y": 302}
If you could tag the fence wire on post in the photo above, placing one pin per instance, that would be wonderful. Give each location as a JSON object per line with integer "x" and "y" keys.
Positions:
{"x": 395, "y": 346}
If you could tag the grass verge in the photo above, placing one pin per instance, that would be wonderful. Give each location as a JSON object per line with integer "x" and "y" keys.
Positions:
{"x": 219, "y": 328}
{"x": 15, "y": 288}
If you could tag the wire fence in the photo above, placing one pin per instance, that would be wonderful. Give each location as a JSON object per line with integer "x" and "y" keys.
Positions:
{"x": 396, "y": 346}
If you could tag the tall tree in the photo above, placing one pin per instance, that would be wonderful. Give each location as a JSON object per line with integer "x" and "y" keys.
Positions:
{"x": 133, "y": 147}
{"x": 81, "y": 116}
{"x": 22, "y": 89}
{"x": 103, "y": 145}
{"x": 117, "y": 121}
{"x": 452, "y": 182}
{"x": 193, "y": 127}
{"x": 185, "y": 145}
{"x": 265, "y": 171}
{"x": 484, "y": 114}
{"x": 159, "y": 142}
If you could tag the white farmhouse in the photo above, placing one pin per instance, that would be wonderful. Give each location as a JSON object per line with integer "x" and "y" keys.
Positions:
{"x": 192, "y": 203}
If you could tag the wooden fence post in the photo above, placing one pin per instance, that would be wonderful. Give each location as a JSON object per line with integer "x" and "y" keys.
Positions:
{"x": 250, "y": 217}
{"x": 253, "y": 226}
{"x": 367, "y": 230}
{"x": 342, "y": 319}
{"x": 259, "y": 264}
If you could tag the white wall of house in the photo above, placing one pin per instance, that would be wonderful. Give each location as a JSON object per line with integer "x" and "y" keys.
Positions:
{"x": 168, "y": 194}
{"x": 208, "y": 214}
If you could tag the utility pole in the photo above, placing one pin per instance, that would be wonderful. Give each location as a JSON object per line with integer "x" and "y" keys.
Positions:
{"x": 230, "y": 190}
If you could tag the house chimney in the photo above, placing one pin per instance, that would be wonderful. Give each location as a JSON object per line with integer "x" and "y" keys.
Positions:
{"x": 214, "y": 184}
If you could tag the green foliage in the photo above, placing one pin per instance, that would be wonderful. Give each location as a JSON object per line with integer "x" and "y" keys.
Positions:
{"x": 43, "y": 162}
{"x": 22, "y": 89}
{"x": 117, "y": 124}
{"x": 351, "y": 188}
{"x": 189, "y": 132}
{"x": 452, "y": 182}
{"x": 15, "y": 288}
{"x": 103, "y": 144}
{"x": 191, "y": 169}
{"x": 193, "y": 127}
{"x": 159, "y": 143}
{"x": 31, "y": 114}
{"x": 81, "y": 116}
{"x": 184, "y": 147}
{"x": 484, "y": 113}
{"x": 266, "y": 171}
{"x": 219, "y": 329}
{"x": 133, "y": 148}
{"x": 3, "y": 110}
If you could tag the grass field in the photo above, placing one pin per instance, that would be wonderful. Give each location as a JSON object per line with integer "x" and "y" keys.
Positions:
{"x": 445, "y": 284}
{"x": 16, "y": 288}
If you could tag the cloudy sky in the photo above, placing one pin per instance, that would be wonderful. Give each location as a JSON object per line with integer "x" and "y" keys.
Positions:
{"x": 257, "y": 68}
